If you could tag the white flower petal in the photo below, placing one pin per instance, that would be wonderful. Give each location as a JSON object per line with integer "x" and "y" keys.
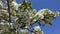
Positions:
{"x": 34, "y": 9}
{"x": 15, "y": 5}
{"x": 11, "y": 23}
{"x": 33, "y": 33}
{"x": 2, "y": 23}
{"x": 57, "y": 13}
{"x": 30, "y": 17}
{"x": 37, "y": 28}
{"x": 26, "y": 26}
{"x": 50, "y": 12}
{"x": 34, "y": 20}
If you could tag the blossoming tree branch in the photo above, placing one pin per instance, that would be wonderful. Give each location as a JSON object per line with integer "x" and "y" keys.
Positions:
{"x": 14, "y": 16}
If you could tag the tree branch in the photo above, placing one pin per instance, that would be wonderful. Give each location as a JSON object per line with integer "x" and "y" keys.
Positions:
{"x": 4, "y": 18}
{"x": 3, "y": 8}
{"x": 9, "y": 10}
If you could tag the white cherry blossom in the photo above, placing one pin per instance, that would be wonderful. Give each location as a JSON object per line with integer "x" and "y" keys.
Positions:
{"x": 34, "y": 20}
{"x": 50, "y": 11}
{"x": 37, "y": 28}
{"x": 42, "y": 11}
{"x": 15, "y": 5}
{"x": 19, "y": 4}
{"x": 33, "y": 33}
{"x": 34, "y": 9}
{"x": 1, "y": 3}
{"x": 57, "y": 13}
{"x": 11, "y": 23}
{"x": 26, "y": 26}
{"x": 2, "y": 23}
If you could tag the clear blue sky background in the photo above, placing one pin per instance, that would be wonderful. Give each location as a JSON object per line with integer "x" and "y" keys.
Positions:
{"x": 52, "y": 5}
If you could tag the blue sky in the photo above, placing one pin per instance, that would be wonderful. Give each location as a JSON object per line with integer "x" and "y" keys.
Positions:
{"x": 53, "y": 5}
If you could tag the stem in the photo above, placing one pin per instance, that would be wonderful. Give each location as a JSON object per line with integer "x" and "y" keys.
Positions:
{"x": 9, "y": 10}
{"x": 3, "y": 18}
{"x": 3, "y": 8}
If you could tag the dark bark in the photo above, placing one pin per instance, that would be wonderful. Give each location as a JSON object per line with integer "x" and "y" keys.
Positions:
{"x": 9, "y": 11}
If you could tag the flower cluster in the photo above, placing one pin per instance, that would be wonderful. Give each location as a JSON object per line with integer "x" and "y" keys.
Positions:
{"x": 15, "y": 5}
{"x": 37, "y": 30}
{"x": 45, "y": 16}
{"x": 43, "y": 12}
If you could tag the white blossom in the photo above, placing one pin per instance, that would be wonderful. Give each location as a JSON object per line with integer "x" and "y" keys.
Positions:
{"x": 50, "y": 11}
{"x": 42, "y": 11}
{"x": 33, "y": 33}
{"x": 37, "y": 28}
{"x": 30, "y": 17}
{"x": 57, "y": 13}
{"x": 19, "y": 4}
{"x": 34, "y": 20}
{"x": 11, "y": 23}
{"x": 26, "y": 1}
{"x": 26, "y": 26}
{"x": 15, "y": 5}
{"x": 1, "y": 3}
{"x": 2, "y": 23}
{"x": 41, "y": 16}
{"x": 34, "y": 10}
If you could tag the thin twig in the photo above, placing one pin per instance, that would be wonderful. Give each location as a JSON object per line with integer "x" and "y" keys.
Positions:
{"x": 3, "y": 8}
{"x": 4, "y": 18}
